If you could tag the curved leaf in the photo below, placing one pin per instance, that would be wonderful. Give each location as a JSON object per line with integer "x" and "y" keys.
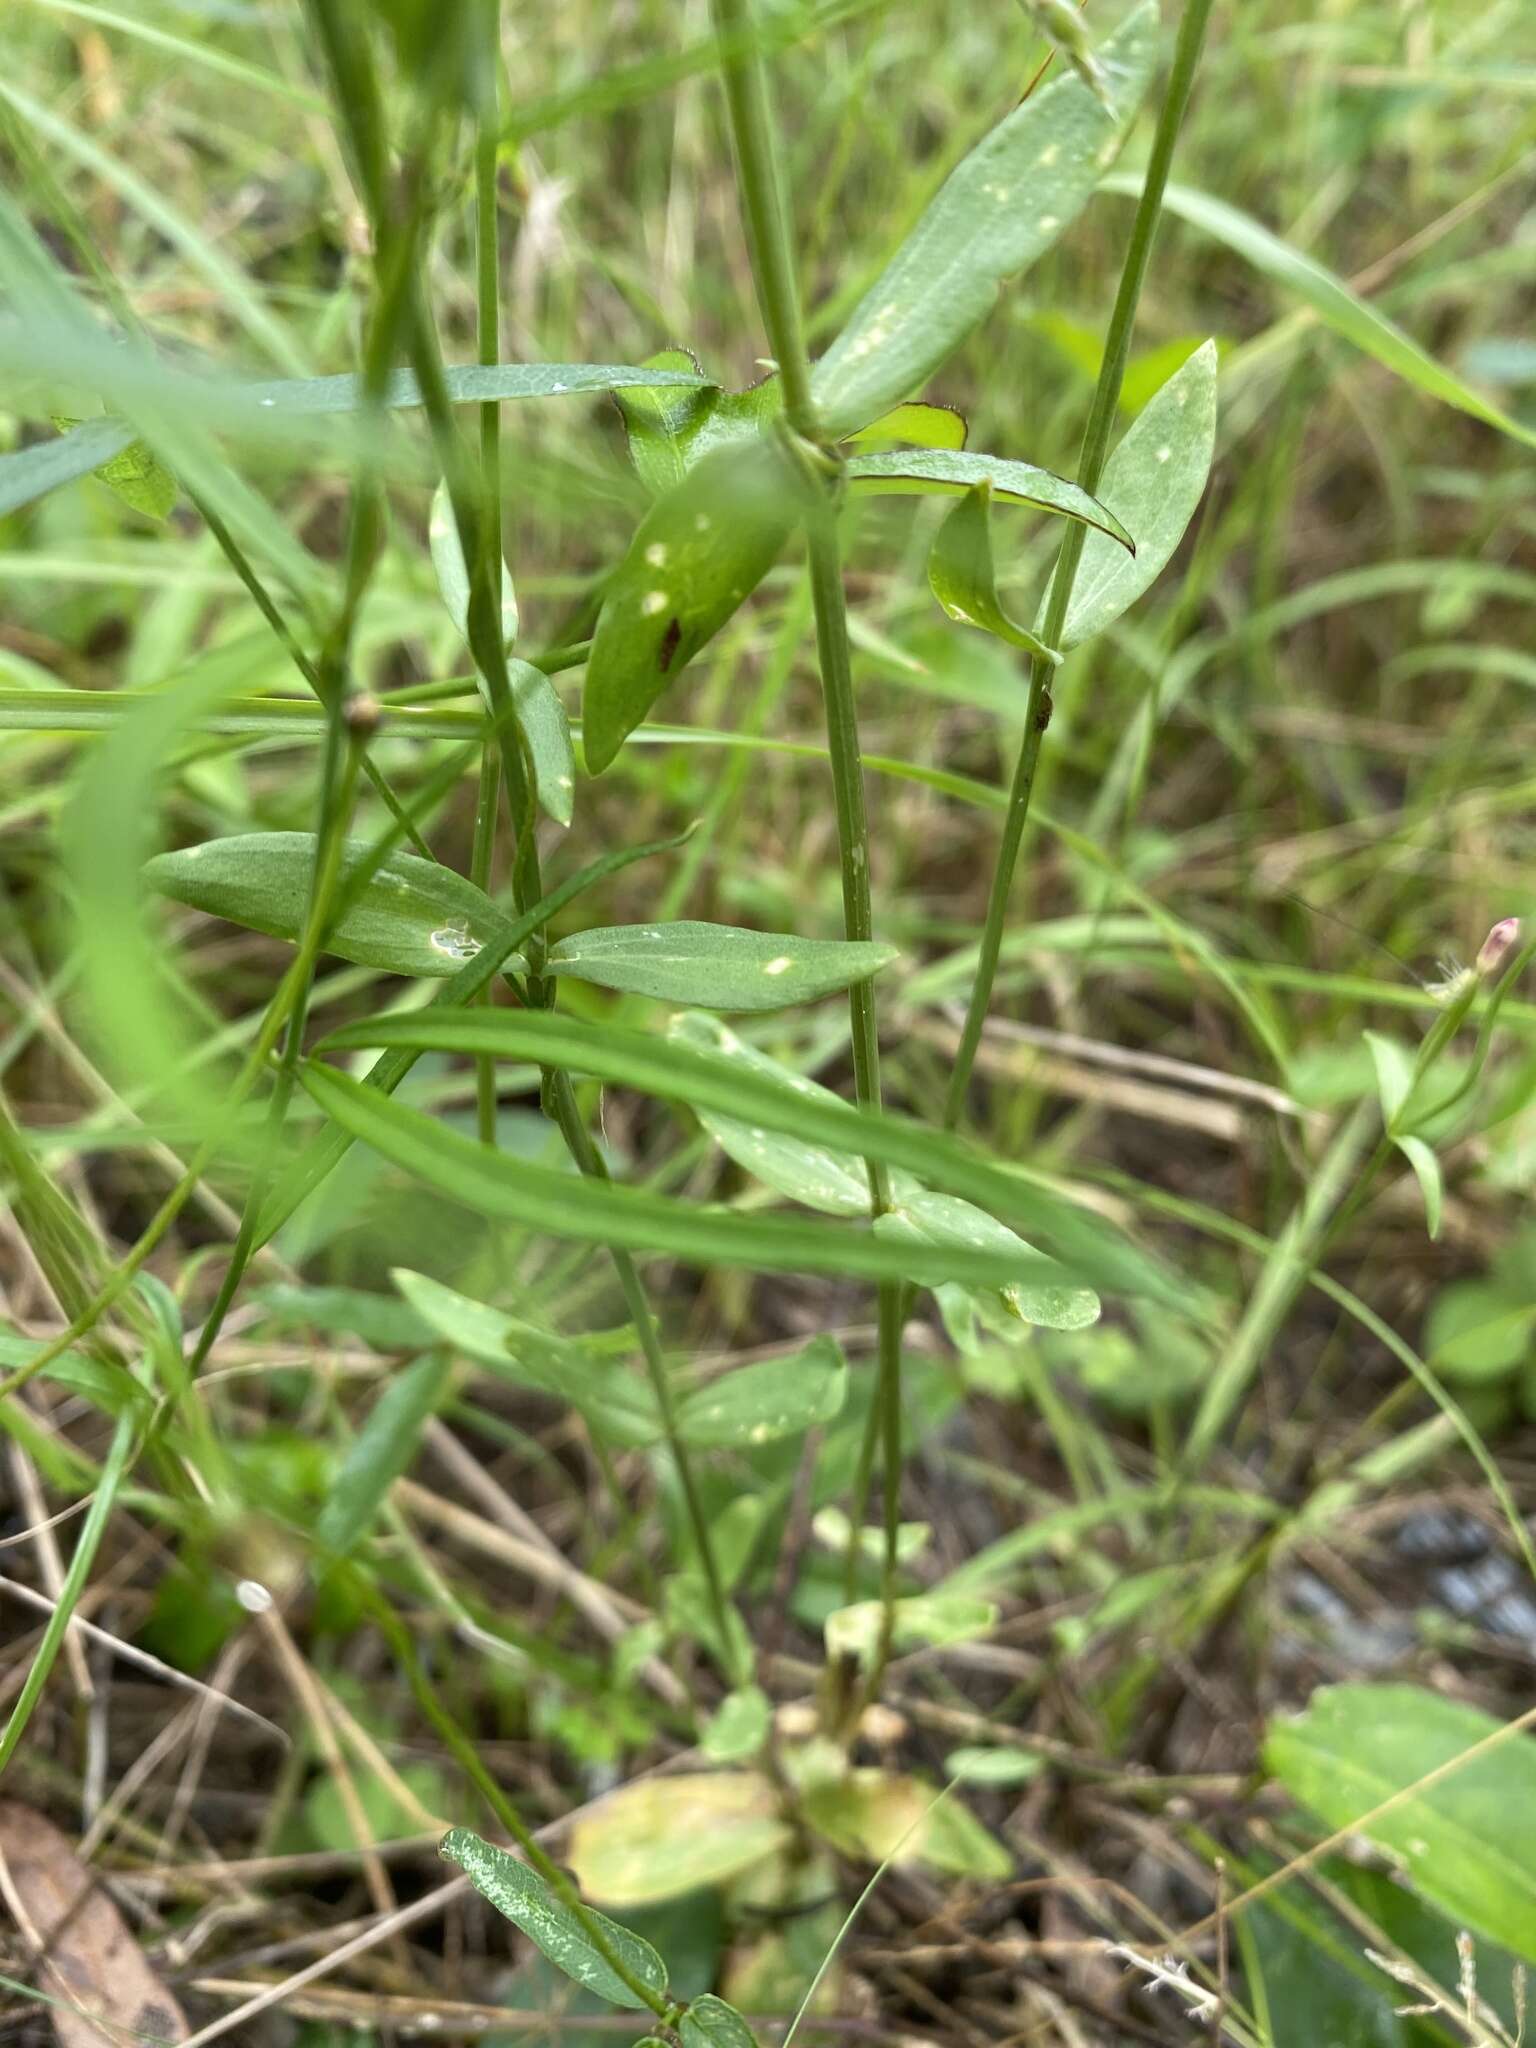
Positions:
{"x": 948, "y": 472}
{"x": 527, "y": 1901}
{"x": 759, "y": 1404}
{"x": 724, "y": 966}
{"x": 697, "y": 554}
{"x": 684, "y": 1069}
{"x": 1465, "y": 1839}
{"x": 412, "y": 917}
{"x": 1154, "y": 481}
{"x": 920, "y": 423}
{"x": 1000, "y": 208}
{"x": 600, "y": 1212}
{"x": 964, "y": 581}
{"x": 1331, "y": 299}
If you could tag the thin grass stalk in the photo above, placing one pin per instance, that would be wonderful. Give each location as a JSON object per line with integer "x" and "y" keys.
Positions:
{"x": 1095, "y": 452}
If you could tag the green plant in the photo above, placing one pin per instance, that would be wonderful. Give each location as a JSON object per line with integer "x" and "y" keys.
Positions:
{"x": 477, "y": 1247}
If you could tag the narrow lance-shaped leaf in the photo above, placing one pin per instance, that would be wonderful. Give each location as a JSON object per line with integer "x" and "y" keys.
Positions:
{"x": 453, "y": 577}
{"x": 707, "y": 1066}
{"x": 526, "y": 1900}
{"x": 759, "y": 1404}
{"x": 1154, "y": 482}
{"x": 412, "y": 917}
{"x": 468, "y": 384}
{"x": 964, "y": 580}
{"x": 384, "y": 1448}
{"x": 723, "y": 966}
{"x": 999, "y": 209}
{"x": 602, "y": 1212}
{"x": 695, "y": 557}
{"x": 946, "y": 472}
{"x": 1330, "y": 298}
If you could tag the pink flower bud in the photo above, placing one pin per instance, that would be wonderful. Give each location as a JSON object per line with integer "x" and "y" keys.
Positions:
{"x": 1498, "y": 945}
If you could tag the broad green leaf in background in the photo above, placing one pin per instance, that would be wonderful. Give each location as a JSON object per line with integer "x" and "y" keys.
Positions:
{"x": 1465, "y": 1841}
{"x": 384, "y": 1448}
{"x": 964, "y": 581}
{"x": 1329, "y": 297}
{"x": 526, "y": 1900}
{"x": 661, "y": 1837}
{"x": 1000, "y": 208}
{"x": 758, "y": 1404}
{"x": 949, "y": 473}
{"x": 695, "y": 556}
{"x": 880, "y": 1815}
{"x": 924, "y": 1218}
{"x": 1479, "y": 1329}
{"x": 453, "y": 576}
{"x": 1153, "y": 481}
{"x": 721, "y": 965}
{"x": 601, "y": 1212}
{"x": 685, "y": 1068}
{"x": 661, "y": 422}
{"x": 413, "y": 916}
{"x": 832, "y": 1528}
{"x": 614, "y": 1399}
{"x": 710, "y": 2023}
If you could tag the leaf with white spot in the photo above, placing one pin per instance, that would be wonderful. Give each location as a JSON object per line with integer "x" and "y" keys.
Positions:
{"x": 721, "y": 965}
{"x": 696, "y": 556}
{"x": 1000, "y": 208}
{"x": 950, "y": 473}
{"x": 964, "y": 581}
{"x": 1042, "y": 1294}
{"x": 411, "y": 917}
{"x": 550, "y": 1924}
{"x": 1154, "y": 482}
{"x": 759, "y": 1404}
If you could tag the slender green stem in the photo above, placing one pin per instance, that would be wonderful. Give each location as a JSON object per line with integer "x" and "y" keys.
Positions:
{"x": 773, "y": 269}
{"x": 1095, "y": 450}
{"x": 488, "y": 321}
{"x": 360, "y": 104}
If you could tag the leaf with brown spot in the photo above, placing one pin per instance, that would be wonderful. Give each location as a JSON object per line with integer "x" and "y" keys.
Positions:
{"x": 84, "y": 1955}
